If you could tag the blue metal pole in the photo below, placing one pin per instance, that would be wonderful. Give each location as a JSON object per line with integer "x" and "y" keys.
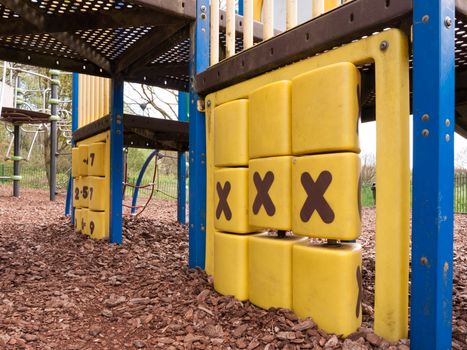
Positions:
{"x": 183, "y": 99}
{"x": 433, "y": 174}
{"x": 116, "y": 160}
{"x": 74, "y": 125}
{"x": 140, "y": 178}
{"x": 199, "y": 62}
{"x": 240, "y": 7}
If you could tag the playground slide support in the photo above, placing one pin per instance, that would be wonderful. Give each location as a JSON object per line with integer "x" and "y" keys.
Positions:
{"x": 183, "y": 99}
{"x": 53, "y": 133}
{"x": 433, "y": 174}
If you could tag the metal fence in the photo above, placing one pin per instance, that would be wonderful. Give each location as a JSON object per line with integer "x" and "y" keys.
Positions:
{"x": 460, "y": 193}
{"x": 32, "y": 177}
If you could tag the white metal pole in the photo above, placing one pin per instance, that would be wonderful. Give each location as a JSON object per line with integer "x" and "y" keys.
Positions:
{"x": 230, "y": 28}
{"x": 214, "y": 32}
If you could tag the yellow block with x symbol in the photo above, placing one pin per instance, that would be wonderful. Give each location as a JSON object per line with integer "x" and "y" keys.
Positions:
{"x": 327, "y": 285}
{"x": 231, "y": 200}
{"x": 326, "y": 196}
{"x": 270, "y": 184}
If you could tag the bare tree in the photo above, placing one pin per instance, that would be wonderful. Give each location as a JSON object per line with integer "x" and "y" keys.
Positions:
{"x": 153, "y": 101}
{"x": 368, "y": 172}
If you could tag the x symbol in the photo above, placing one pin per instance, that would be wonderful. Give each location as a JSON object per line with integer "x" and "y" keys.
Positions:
{"x": 223, "y": 206}
{"x": 315, "y": 200}
{"x": 360, "y": 291}
{"x": 262, "y": 195}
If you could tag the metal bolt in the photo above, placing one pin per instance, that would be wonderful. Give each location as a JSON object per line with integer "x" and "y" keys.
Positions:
{"x": 424, "y": 260}
{"x": 203, "y": 16}
{"x": 447, "y": 137}
{"x": 203, "y": 9}
{"x": 425, "y": 117}
{"x": 447, "y": 122}
{"x": 425, "y": 132}
{"x": 384, "y": 45}
{"x": 446, "y": 266}
{"x": 209, "y": 103}
{"x": 448, "y": 22}
{"x": 425, "y": 19}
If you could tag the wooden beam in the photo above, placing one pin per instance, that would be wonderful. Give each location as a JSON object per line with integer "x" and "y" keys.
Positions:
{"x": 180, "y": 8}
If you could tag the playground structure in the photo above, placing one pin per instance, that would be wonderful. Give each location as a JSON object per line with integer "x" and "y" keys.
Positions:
{"x": 355, "y": 49}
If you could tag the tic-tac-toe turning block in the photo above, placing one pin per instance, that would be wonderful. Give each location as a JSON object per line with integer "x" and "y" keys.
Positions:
{"x": 98, "y": 193}
{"x": 325, "y": 110}
{"x": 326, "y": 196}
{"x": 231, "y": 200}
{"x": 270, "y": 184}
{"x": 75, "y": 162}
{"x": 327, "y": 285}
{"x": 85, "y": 191}
{"x": 97, "y": 225}
{"x": 77, "y": 223}
{"x": 85, "y": 221}
{"x": 83, "y": 160}
{"x": 77, "y": 198}
{"x": 96, "y": 159}
{"x": 231, "y": 134}
{"x": 231, "y": 264}
{"x": 269, "y": 121}
{"x": 270, "y": 270}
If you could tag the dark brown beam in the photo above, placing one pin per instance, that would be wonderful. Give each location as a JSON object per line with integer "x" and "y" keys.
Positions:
{"x": 35, "y": 17}
{"x": 179, "y": 8}
{"x": 134, "y": 17}
{"x": 159, "y": 81}
{"x": 163, "y": 69}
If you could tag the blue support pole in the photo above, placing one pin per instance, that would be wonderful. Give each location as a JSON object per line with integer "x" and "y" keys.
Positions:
{"x": 183, "y": 99}
{"x": 199, "y": 62}
{"x": 116, "y": 160}
{"x": 240, "y": 7}
{"x": 74, "y": 125}
{"x": 433, "y": 174}
{"x": 140, "y": 179}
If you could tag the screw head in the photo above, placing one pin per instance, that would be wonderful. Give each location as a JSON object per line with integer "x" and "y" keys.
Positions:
{"x": 447, "y": 122}
{"x": 203, "y": 8}
{"x": 425, "y": 132}
{"x": 448, "y": 22}
{"x": 424, "y": 260}
{"x": 447, "y": 137}
{"x": 209, "y": 103}
{"x": 425, "y": 117}
{"x": 383, "y": 46}
{"x": 425, "y": 19}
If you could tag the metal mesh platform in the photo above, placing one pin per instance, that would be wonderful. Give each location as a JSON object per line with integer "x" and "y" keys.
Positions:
{"x": 22, "y": 116}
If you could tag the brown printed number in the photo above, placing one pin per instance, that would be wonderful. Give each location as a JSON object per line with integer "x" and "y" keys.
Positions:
{"x": 91, "y": 190}
{"x": 83, "y": 224}
{"x": 77, "y": 193}
{"x": 91, "y": 227}
{"x": 92, "y": 155}
{"x": 85, "y": 192}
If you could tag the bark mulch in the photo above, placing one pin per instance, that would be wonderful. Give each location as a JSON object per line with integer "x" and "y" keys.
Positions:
{"x": 60, "y": 290}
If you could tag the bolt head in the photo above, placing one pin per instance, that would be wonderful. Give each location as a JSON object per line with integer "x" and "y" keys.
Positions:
{"x": 425, "y": 117}
{"x": 425, "y": 132}
{"x": 447, "y": 137}
{"x": 447, "y": 122}
{"x": 448, "y": 22}
{"x": 384, "y": 45}
{"x": 203, "y": 8}
{"x": 425, "y": 19}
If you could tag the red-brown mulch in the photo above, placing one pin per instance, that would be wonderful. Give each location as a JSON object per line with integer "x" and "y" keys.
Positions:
{"x": 61, "y": 290}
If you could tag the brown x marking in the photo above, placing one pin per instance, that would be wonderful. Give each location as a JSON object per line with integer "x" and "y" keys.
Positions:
{"x": 262, "y": 198}
{"x": 315, "y": 200}
{"x": 360, "y": 291}
{"x": 223, "y": 206}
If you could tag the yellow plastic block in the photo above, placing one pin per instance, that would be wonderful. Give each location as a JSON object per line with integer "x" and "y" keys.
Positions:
{"x": 231, "y": 264}
{"x": 270, "y": 185}
{"x": 231, "y": 200}
{"x": 231, "y": 134}
{"x": 325, "y": 110}
{"x": 270, "y": 270}
{"x": 96, "y": 159}
{"x": 326, "y": 196}
{"x": 269, "y": 121}
{"x": 97, "y": 224}
{"x": 75, "y": 162}
{"x": 83, "y": 160}
{"x": 327, "y": 285}
{"x": 77, "y": 197}
{"x": 85, "y": 221}
{"x": 84, "y": 191}
{"x": 98, "y": 193}
{"x": 77, "y": 223}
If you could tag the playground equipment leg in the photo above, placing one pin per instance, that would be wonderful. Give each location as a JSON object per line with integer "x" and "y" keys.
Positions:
{"x": 17, "y": 159}
{"x": 53, "y": 137}
{"x": 183, "y": 99}
{"x": 140, "y": 178}
{"x": 116, "y": 160}
{"x": 74, "y": 126}
{"x": 433, "y": 167}
{"x": 199, "y": 62}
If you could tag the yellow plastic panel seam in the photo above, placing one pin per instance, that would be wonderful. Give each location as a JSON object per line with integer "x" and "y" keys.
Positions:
{"x": 393, "y": 175}
{"x": 210, "y": 191}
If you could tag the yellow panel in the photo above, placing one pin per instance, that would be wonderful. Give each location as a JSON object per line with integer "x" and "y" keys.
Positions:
{"x": 97, "y": 225}
{"x": 270, "y": 270}
{"x": 93, "y": 99}
{"x": 231, "y": 134}
{"x": 325, "y": 110}
{"x": 84, "y": 192}
{"x": 85, "y": 221}
{"x": 327, "y": 285}
{"x": 331, "y": 4}
{"x": 231, "y": 264}
{"x": 269, "y": 121}
{"x": 78, "y": 217}
{"x": 77, "y": 198}
{"x": 83, "y": 159}
{"x": 270, "y": 202}
{"x": 98, "y": 193}
{"x": 97, "y": 161}
{"x": 393, "y": 165}
{"x": 75, "y": 162}
{"x": 231, "y": 200}
{"x": 326, "y": 202}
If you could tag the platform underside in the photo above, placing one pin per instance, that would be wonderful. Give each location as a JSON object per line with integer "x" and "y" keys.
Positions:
{"x": 22, "y": 116}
